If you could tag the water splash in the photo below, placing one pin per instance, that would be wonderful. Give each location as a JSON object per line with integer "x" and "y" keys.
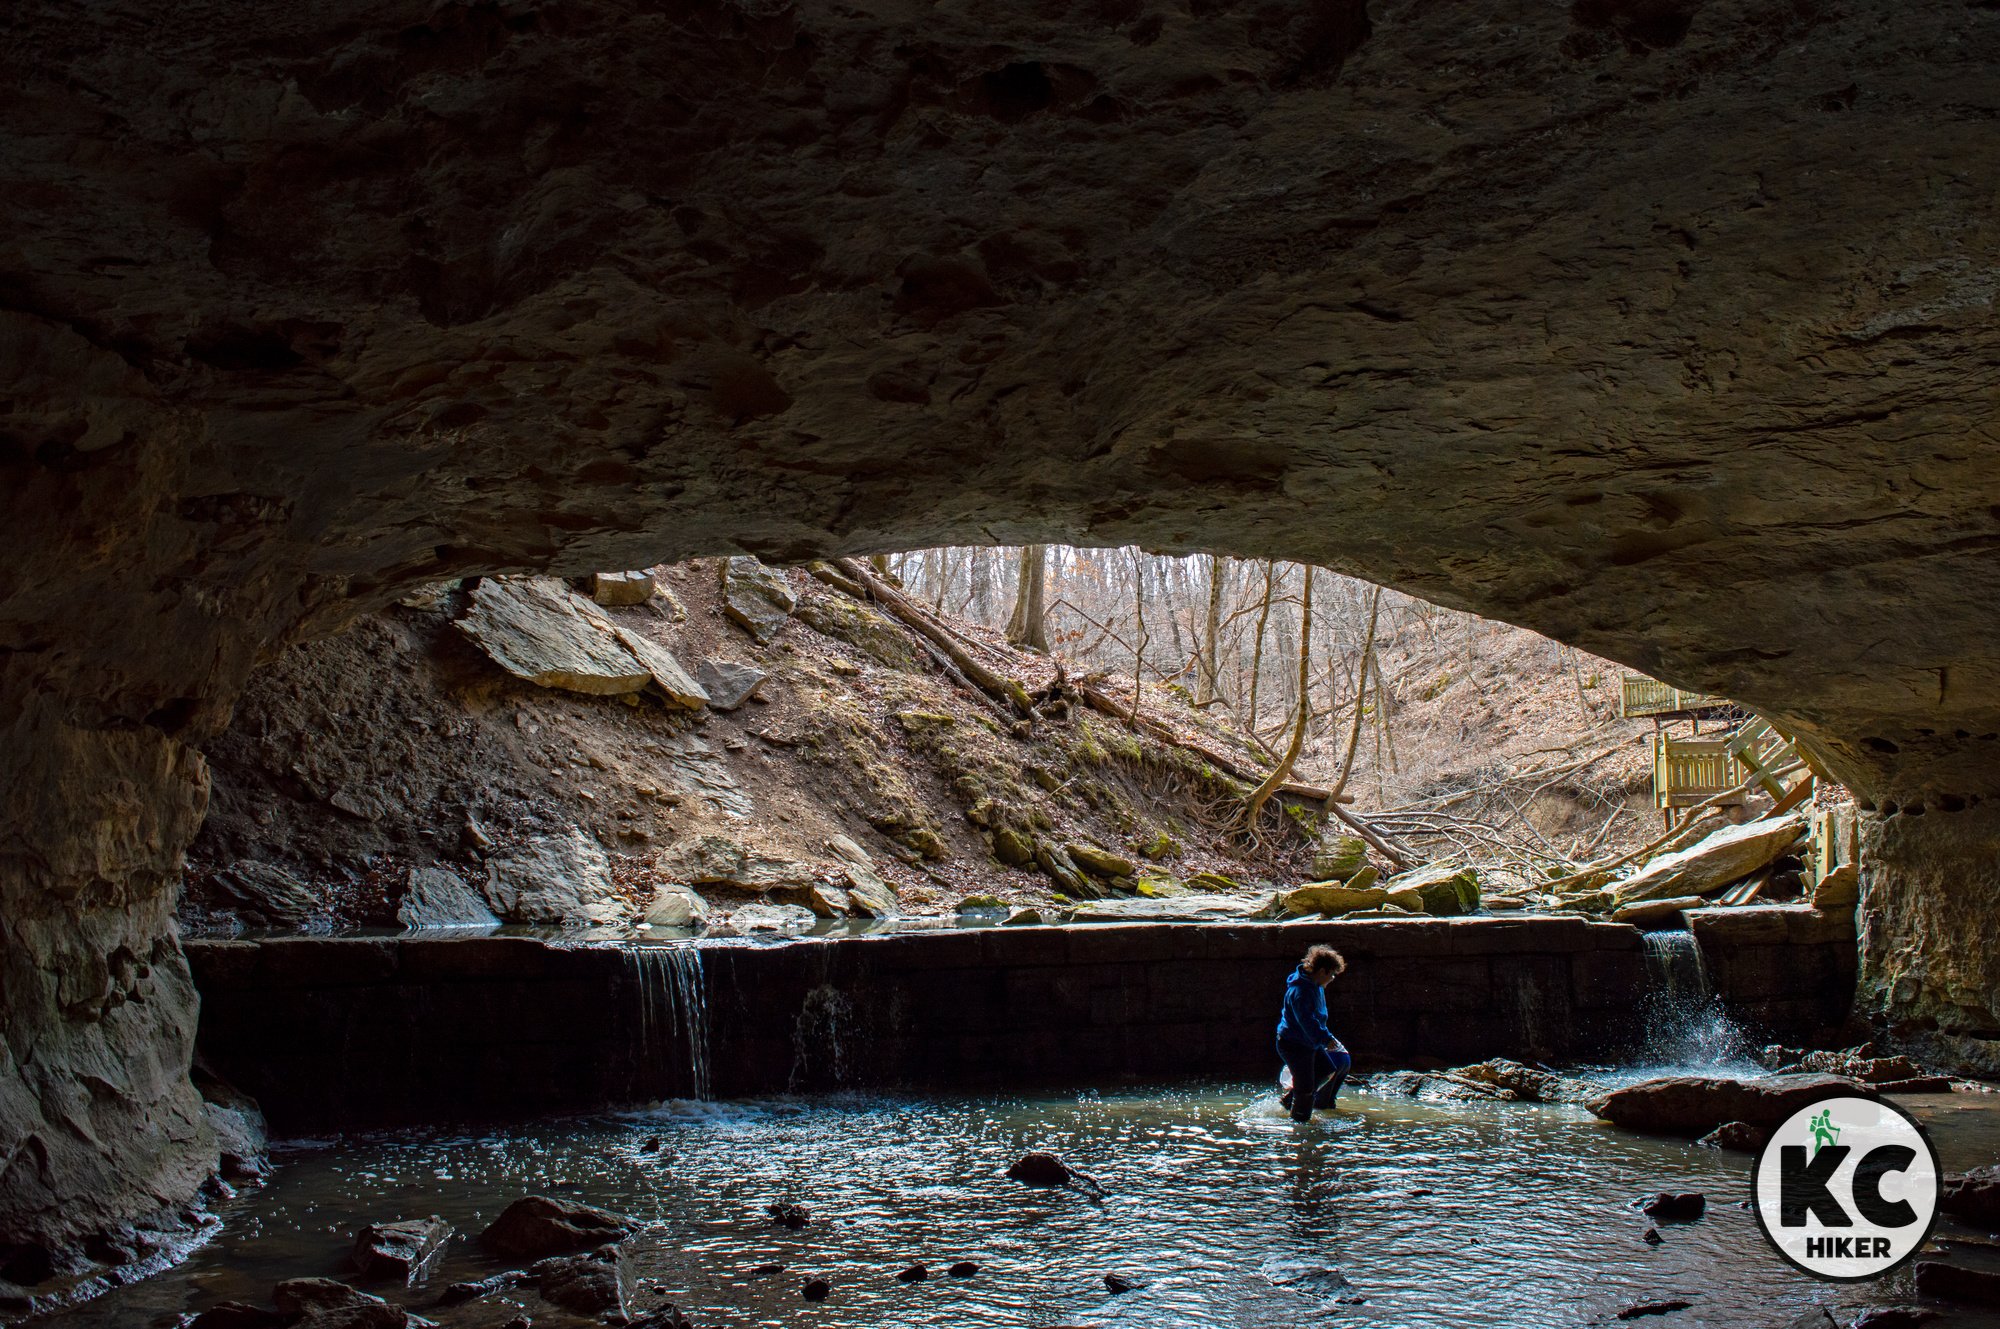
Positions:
{"x": 672, "y": 1023}
{"x": 1684, "y": 1023}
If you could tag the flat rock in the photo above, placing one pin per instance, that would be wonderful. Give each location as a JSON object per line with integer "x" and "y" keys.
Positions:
{"x": 323, "y": 1303}
{"x": 723, "y": 861}
{"x": 439, "y": 898}
{"x": 1941, "y": 1281}
{"x": 1973, "y": 1196}
{"x": 1330, "y": 898}
{"x": 563, "y": 878}
{"x": 537, "y": 629}
{"x": 399, "y": 1250}
{"x": 756, "y": 598}
{"x": 675, "y": 906}
{"x": 1694, "y": 1105}
{"x": 265, "y": 894}
{"x": 1529, "y": 1083}
{"x": 1180, "y": 909}
{"x": 1650, "y": 913}
{"x": 728, "y": 683}
{"x": 622, "y": 589}
{"x": 538, "y": 1225}
{"x": 1710, "y": 864}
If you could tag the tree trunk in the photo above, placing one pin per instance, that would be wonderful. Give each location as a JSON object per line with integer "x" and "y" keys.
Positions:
{"x": 1208, "y": 680}
{"x": 1283, "y": 772}
{"x": 1029, "y": 625}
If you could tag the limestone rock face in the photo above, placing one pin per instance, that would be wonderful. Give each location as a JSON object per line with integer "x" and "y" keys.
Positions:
{"x": 440, "y": 898}
{"x": 1672, "y": 343}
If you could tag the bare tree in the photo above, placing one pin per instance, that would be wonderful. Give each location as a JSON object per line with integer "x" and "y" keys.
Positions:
{"x": 1029, "y": 625}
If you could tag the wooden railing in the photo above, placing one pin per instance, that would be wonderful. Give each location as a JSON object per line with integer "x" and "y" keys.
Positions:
{"x": 1687, "y": 771}
{"x": 1649, "y": 696}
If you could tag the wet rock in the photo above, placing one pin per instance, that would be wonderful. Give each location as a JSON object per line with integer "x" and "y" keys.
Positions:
{"x": 1530, "y": 1084}
{"x": 323, "y": 1303}
{"x": 236, "y": 1315}
{"x": 1852, "y": 1063}
{"x": 437, "y": 897}
{"x": 622, "y": 589}
{"x": 1120, "y": 1284}
{"x": 1894, "y": 1317}
{"x": 728, "y": 683}
{"x": 675, "y": 906}
{"x": 1939, "y": 1281}
{"x": 1694, "y": 1105}
{"x": 242, "y": 1137}
{"x": 1447, "y": 889}
{"x": 539, "y": 1225}
{"x": 399, "y": 1250}
{"x": 1039, "y": 1169}
{"x": 792, "y": 1216}
{"x": 1025, "y": 916}
{"x": 916, "y": 1273}
{"x": 1673, "y": 1206}
{"x": 1339, "y": 857}
{"x": 1738, "y": 1135}
{"x": 561, "y": 878}
{"x": 1439, "y": 1087}
{"x": 664, "y": 1317}
{"x": 1641, "y": 1309}
{"x": 766, "y": 1270}
{"x": 1973, "y": 1196}
{"x": 869, "y": 895}
{"x": 457, "y": 1294}
{"x": 816, "y": 1289}
{"x": 757, "y": 599}
{"x": 1816, "y": 1318}
{"x": 1705, "y": 867}
{"x": 264, "y": 894}
{"x": 537, "y": 629}
{"x": 595, "y": 1284}
{"x": 1330, "y": 898}
{"x": 1100, "y": 862}
{"x": 963, "y": 1269}
{"x": 1656, "y": 913}
{"x": 1652, "y": 1237}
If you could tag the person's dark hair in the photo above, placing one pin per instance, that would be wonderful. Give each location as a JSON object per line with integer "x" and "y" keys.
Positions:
{"x": 1324, "y": 960}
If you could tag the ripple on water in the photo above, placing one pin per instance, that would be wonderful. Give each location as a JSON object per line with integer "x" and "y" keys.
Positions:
{"x": 1388, "y": 1213}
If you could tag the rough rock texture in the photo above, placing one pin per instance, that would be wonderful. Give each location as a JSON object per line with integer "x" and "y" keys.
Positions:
{"x": 1708, "y": 865}
{"x": 440, "y": 898}
{"x": 1672, "y": 338}
{"x": 1695, "y": 1105}
{"x": 538, "y": 629}
{"x": 399, "y": 1250}
{"x": 537, "y": 1225}
{"x": 564, "y": 877}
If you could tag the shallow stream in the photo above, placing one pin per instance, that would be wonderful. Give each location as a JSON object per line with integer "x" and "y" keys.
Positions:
{"x": 1387, "y": 1213}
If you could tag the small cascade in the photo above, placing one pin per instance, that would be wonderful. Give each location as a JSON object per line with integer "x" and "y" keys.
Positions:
{"x": 1684, "y": 1023}
{"x": 671, "y": 1027}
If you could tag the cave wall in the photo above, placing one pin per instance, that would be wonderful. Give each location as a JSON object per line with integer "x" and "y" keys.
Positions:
{"x": 1665, "y": 329}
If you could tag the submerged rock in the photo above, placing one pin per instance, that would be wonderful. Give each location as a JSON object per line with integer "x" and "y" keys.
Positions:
{"x": 1895, "y": 1317}
{"x": 595, "y": 1284}
{"x": 1040, "y": 1169}
{"x": 816, "y": 1289}
{"x": 1640, "y": 1309}
{"x": 793, "y": 1216}
{"x": 1737, "y": 1135}
{"x": 539, "y": 1225}
{"x": 236, "y": 1315}
{"x": 963, "y": 1269}
{"x": 324, "y": 1303}
{"x": 437, "y": 897}
{"x": 1694, "y": 1105}
{"x": 1937, "y": 1280}
{"x": 1119, "y": 1284}
{"x": 916, "y": 1273}
{"x": 399, "y": 1250}
{"x": 1973, "y": 1196}
{"x": 1673, "y": 1206}
{"x": 757, "y": 599}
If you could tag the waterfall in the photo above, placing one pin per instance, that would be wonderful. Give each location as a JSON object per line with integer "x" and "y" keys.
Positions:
{"x": 671, "y": 1045}
{"x": 1684, "y": 1023}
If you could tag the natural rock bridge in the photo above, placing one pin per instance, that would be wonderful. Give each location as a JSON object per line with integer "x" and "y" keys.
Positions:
{"x": 1664, "y": 327}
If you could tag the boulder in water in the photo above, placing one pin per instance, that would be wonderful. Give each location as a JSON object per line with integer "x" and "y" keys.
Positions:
{"x": 1119, "y": 1284}
{"x": 963, "y": 1269}
{"x": 324, "y": 1303}
{"x": 399, "y": 1250}
{"x": 1973, "y": 1196}
{"x": 538, "y": 1225}
{"x": 1528, "y": 1083}
{"x": 793, "y": 1216}
{"x": 236, "y": 1315}
{"x": 1738, "y": 1135}
{"x": 1694, "y": 1105}
{"x": 1639, "y": 1310}
{"x": 1895, "y": 1317}
{"x": 1039, "y": 1169}
{"x": 1939, "y": 1281}
{"x": 816, "y": 1289}
{"x": 916, "y": 1273}
{"x": 591, "y": 1285}
{"x": 1673, "y": 1206}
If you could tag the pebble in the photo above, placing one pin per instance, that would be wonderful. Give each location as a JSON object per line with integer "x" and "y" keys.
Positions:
{"x": 1674, "y": 1206}
{"x": 766, "y": 1270}
{"x": 816, "y": 1289}
{"x": 1652, "y": 1237}
{"x": 916, "y": 1273}
{"x": 1119, "y": 1283}
{"x": 1644, "y": 1308}
{"x": 789, "y": 1215}
{"x": 963, "y": 1269}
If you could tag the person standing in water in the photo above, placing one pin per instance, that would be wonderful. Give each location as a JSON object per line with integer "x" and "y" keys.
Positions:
{"x": 1315, "y": 1057}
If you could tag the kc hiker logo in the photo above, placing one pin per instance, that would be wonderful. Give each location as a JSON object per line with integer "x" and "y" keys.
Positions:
{"x": 1847, "y": 1187}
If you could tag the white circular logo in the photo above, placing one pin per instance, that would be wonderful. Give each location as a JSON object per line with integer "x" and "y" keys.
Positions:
{"x": 1847, "y": 1188}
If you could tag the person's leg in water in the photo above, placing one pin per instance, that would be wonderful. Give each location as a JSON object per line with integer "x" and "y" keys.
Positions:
{"x": 1333, "y": 1066}
{"x": 1306, "y": 1063}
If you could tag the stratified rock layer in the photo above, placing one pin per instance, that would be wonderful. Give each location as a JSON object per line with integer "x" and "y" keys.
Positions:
{"x": 1669, "y": 336}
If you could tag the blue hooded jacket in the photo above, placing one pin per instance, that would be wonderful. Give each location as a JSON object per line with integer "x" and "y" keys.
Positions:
{"x": 1302, "y": 1019}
